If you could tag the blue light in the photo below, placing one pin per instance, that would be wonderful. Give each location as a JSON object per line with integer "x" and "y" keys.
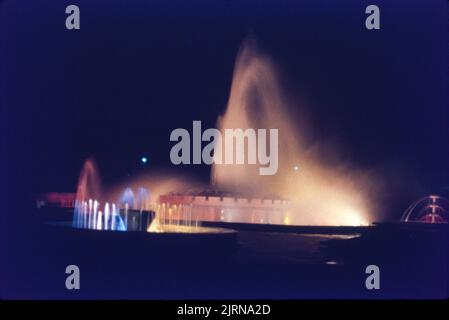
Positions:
{"x": 144, "y": 160}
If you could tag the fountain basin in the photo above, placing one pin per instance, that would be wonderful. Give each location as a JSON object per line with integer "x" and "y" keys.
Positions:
{"x": 174, "y": 244}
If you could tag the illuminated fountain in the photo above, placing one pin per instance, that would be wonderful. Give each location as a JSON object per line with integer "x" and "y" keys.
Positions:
{"x": 133, "y": 211}
{"x": 87, "y": 212}
{"x": 129, "y": 218}
{"x": 178, "y": 219}
{"x": 87, "y": 215}
{"x": 320, "y": 192}
{"x": 430, "y": 209}
{"x": 320, "y": 189}
{"x": 306, "y": 190}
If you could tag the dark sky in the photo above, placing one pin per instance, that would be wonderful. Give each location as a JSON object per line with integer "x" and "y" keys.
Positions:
{"x": 139, "y": 69}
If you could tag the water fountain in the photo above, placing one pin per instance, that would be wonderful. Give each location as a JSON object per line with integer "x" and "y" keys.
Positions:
{"x": 429, "y": 209}
{"x": 131, "y": 210}
{"x": 87, "y": 211}
{"x": 320, "y": 192}
{"x": 87, "y": 215}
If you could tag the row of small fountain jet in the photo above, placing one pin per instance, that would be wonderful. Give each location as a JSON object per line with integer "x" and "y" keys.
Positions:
{"x": 131, "y": 215}
{"x": 87, "y": 215}
{"x": 91, "y": 214}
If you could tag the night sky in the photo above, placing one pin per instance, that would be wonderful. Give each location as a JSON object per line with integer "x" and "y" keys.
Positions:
{"x": 137, "y": 70}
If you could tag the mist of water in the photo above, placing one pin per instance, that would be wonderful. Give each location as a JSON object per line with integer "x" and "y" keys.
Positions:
{"x": 322, "y": 189}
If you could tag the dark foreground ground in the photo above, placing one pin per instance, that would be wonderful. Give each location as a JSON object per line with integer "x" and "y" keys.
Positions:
{"x": 256, "y": 263}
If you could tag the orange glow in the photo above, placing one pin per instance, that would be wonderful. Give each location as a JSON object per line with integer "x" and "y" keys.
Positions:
{"x": 323, "y": 190}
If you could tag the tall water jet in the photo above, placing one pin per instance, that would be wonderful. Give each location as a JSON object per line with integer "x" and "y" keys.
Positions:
{"x": 87, "y": 213}
{"x": 88, "y": 182}
{"x": 321, "y": 192}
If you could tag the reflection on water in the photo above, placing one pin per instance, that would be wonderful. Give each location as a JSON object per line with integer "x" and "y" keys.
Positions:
{"x": 332, "y": 236}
